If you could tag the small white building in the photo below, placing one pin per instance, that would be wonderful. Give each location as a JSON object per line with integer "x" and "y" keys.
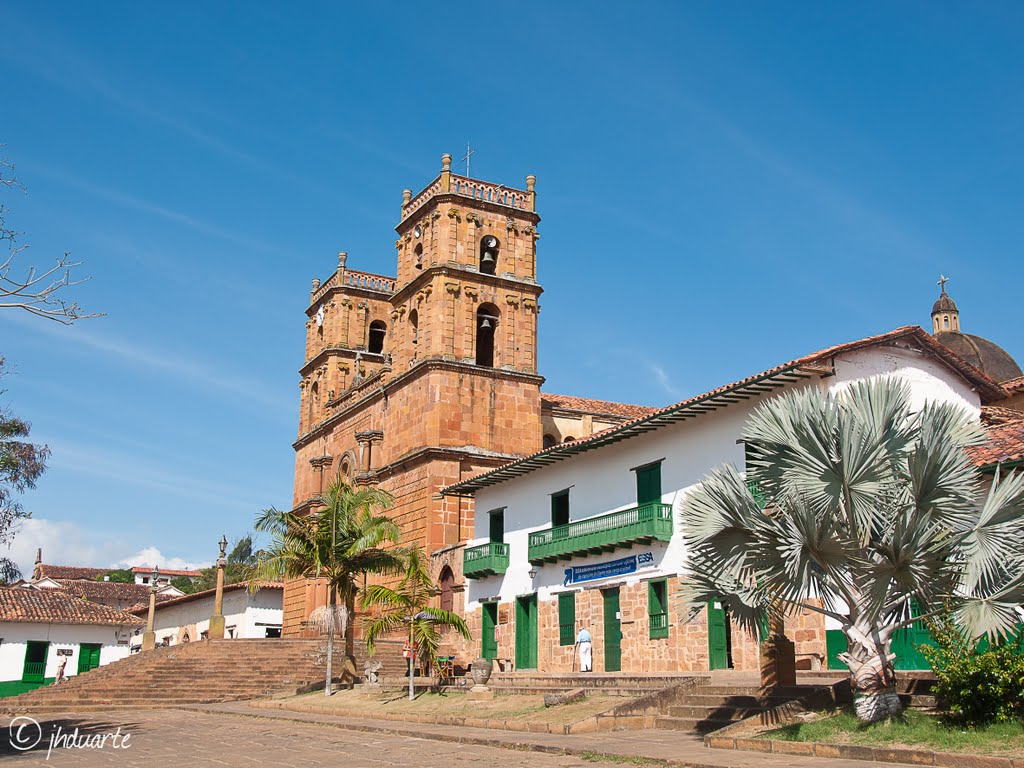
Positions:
{"x": 144, "y": 575}
{"x": 588, "y": 533}
{"x": 40, "y": 628}
{"x": 246, "y": 615}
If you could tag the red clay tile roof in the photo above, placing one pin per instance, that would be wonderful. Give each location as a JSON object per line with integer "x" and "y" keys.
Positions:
{"x": 71, "y": 572}
{"x": 1005, "y": 444}
{"x": 1014, "y": 385}
{"x": 204, "y": 593}
{"x": 105, "y": 590}
{"x": 54, "y": 606}
{"x": 816, "y": 362}
{"x": 587, "y": 405}
{"x": 165, "y": 572}
{"x": 991, "y": 415}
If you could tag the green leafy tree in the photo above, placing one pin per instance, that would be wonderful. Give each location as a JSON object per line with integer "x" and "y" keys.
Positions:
{"x": 341, "y": 542}
{"x": 869, "y": 507}
{"x": 406, "y": 608}
{"x": 183, "y": 584}
{"x": 21, "y": 465}
{"x": 119, "y": 576}
{"x": 240, "y": 559}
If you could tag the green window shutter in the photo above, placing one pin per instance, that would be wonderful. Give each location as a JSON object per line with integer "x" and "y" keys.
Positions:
{"x": 567, "y": 618}
{"x": 648, "y": 484}
{"x": 754, "y": 488}
{"x": 657, "y": 608}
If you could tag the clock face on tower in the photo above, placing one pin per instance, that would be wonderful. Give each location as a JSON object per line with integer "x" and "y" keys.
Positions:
{"x": 417, "y": 231}
{"x": 320, "y": 316}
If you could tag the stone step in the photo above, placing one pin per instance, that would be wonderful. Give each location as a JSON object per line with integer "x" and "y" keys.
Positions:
{"x": 527, "y": 690}
{"x": 692, "y": 725}
{"x": 714, "y": 713}
{"x": 741, "y": 700}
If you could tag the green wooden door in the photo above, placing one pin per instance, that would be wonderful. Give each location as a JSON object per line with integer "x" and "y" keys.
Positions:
{"x": 835, "y": 643}
{"x": 648, "y": 484}
{"x": 489, "y": 641}
{"x": 88, "y": 657}
{"x": 35, "y": 662}
{"x": 526, "y": 632}
{"x": 718, "y": 637}
{"x": 498, "y": 526}
{"x": 905, "y": 644}
{"x": 612, "y": 631}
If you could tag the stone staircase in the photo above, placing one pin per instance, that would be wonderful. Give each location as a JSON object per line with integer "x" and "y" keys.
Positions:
{"x": 914, "y": 687}
{"x": 197, "y": 673}
{"x": 607, "y": 683}
{"x": 711, "y": 706}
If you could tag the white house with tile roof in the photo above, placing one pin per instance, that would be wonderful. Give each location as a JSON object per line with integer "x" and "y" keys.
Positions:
{"x": 246, "y": 615}
{"x": 40, "y": 628}
{"x": 587, "y": 533}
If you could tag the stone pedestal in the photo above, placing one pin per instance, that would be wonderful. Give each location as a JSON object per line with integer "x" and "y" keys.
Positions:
{"x": 148, "y": 641}
{"x": 371, "y": 690}
{"x": 478, "y": 692}
{"x": 216, "y": 631}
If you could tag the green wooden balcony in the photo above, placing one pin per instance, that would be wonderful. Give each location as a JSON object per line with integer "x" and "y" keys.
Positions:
{"x": 604, "y": 533}
{"x": 485, "y": 560}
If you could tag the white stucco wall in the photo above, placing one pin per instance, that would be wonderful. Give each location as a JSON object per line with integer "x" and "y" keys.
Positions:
{"x": 601, "y": 481}
{"x": 15, "y": 637}
{"x": 248, "y": 614}
{"x": 929, "y": 380}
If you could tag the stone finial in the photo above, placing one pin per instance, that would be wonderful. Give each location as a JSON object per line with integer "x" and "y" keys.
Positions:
{"x": 446, "y": 163}
{"x": 531, "y": 182}
{"x": 316, "y": 283}
{"x": 342, "y": 258}
{"x": 406, "y": 196}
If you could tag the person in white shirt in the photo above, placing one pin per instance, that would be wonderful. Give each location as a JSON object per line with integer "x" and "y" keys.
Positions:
{"x": 585, "y": 643}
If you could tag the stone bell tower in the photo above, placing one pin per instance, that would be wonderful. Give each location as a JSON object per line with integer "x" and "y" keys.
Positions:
{"x": 467, "y": 274}
{"x": 416, "y": 382}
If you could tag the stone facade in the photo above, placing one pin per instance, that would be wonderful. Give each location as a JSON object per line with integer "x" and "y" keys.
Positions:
{"x": 684, "y": 650}
{"x": 417, "y": 382}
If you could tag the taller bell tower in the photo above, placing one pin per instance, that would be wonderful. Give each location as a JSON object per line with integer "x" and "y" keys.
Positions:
{"x": 467, "y": 287}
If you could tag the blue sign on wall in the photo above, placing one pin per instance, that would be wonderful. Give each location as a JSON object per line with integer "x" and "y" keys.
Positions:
{"x": 619, "y": 567}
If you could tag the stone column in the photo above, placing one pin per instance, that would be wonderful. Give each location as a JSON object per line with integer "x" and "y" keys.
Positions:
{"x": 149, "y": 638}
{"x": 216, "y": 631}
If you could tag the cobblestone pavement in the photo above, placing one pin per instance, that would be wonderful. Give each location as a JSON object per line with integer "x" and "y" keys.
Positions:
{"x": 161, "y": 738}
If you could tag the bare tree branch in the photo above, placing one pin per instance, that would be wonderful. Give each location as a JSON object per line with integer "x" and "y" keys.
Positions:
{"x": 38, "y": 293}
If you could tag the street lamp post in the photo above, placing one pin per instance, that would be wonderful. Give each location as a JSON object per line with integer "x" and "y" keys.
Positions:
{"x": 149, "y": 638}
{"x": 217, "y": 620}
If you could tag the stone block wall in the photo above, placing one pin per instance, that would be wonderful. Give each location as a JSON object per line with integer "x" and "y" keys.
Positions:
{"x": 685, "y": 650}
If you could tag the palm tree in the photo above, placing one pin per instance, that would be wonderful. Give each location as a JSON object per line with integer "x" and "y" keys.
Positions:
{"x": 407, "y": 607}
{"x": 341, "y": 542}
{"x": 861, "y": 508}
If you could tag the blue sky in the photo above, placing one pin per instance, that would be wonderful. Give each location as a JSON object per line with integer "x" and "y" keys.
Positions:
{"x": 722, "y": 186}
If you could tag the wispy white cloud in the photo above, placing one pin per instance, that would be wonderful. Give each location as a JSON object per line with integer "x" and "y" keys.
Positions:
{"x": 150, "y": 556}
{"x": 137, "y": 203}
{"x": 138, "y": 356}
{"x": 129, "y": 470}
{"x": 664, "y": 381}
{"x": 65, "y": 543}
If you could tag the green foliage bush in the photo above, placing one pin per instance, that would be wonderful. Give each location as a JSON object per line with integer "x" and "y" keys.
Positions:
{"x": 123, "y": 576}
{"x": 979, "y": 683}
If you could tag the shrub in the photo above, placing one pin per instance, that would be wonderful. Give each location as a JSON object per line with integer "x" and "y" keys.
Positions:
{"x": 979, "y": 683}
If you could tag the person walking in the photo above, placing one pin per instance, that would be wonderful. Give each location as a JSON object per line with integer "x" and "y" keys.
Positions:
{"x": 60, "y": 678}
{"x": 585, "y": 644}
